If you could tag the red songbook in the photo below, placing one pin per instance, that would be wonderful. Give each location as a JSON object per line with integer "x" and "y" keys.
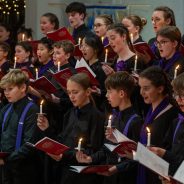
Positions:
{"x": 143, "y": 47}
{"x": 77, "y": 52}
{"x": 4, "y": 154}
{"x": 91, "y": 169}
{"x": 60, "y": 34}
{"x": 94, "y": 81}
{"x": 50, "y": 146}
{"x": 62, "y": 76}
{"x": 42, "y": 84}
{"x": 122, "y": 147}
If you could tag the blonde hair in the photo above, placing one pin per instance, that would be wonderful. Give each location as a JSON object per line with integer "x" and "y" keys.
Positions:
{"x": 15, "y": 77}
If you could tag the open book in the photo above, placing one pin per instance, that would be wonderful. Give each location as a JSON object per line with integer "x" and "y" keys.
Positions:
{"x": 152, "y": 161}
{"x": 49, "y": 145}
{"x": 143, "y": 47}
{"x": 42, "y": 84}
{"x": 62, "y": 76}
{"x": 60, "y": 34}
{"x": 91, "y": 169}
{"x": 82, "y": 67}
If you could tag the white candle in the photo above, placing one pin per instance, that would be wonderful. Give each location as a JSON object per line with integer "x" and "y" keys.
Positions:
{"x": 23, "y": 37}
{"x": 36, "y": 73}
{"x": 135, "y": 64}
{"x": 79, "y": 144}
{"x": 131, "y": 38}
{"x": 41, "y": 107}
{"x": 148, "y": 137}
{"x": 79, "y": 41}
{"x": 59, "y": 65}
{"x": 106, "y": 54}
{"x": 15, "y": 62}
{"x": 175, "y": 71}
{"x": 109, "y": 121}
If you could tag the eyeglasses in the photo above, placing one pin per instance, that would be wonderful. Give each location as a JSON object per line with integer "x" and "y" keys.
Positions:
{"x": 98, "y": 25}
{"x": 161, "y": 43}
{"x": 180, "y": 96}
{"x": 83, "y": 46}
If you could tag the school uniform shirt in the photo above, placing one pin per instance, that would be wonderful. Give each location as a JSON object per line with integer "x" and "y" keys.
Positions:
{"x": 80, "y": 32}
{"x": 87, "y": 123}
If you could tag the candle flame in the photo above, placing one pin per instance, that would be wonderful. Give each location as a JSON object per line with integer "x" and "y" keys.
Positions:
{"x": 177, "y": 67}
{"x": 41, "y": 102}
{"x": 148, "y": 130}
{"x": 80, "y": 140}
{"x": 36, "y": 69}
{"x": 23, "y": 37}
{"x": 106, "y": 51}
{"x": 102, "y": 38}
{"x": 15, "y": 58}
{"x": 79, "y": 41}
{"x": 136, "y": 57}
{"x": 110, "y": 117}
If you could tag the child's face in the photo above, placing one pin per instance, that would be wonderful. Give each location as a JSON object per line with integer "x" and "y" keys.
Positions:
{"x": 4, "y": 34}
{"x": 116, "y": 41}
{"x": 45, "y": 25}
{"x": 21, "y": 54}
{"x": 149, "y": 92}
{"x": 3, "y": 54}
{"x": 43, "y": 53}
{"x": 166, "y": 47}
{"x": 59, "y": 55}
{"x": 179, "y": 97}
{"x": 130, "y": 26}
{"x": 100, "y": 27}
{"x": 114, "y": 97}
{"x": 14, "y": 93}
{"x": 87, "y": 51}
{"x": 78, "y": 96}
{"x": 75, "y": 19}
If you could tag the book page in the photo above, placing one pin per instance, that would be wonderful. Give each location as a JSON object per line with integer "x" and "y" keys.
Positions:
{"x": 119, "y": 136}
{"x": 179, "y": 175}
{"x": 152, "y": 161}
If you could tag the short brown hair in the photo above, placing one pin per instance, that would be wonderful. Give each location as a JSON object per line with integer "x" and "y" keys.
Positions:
{"x": 121, "y": 81}
{"x": 15, "y": 77}
{"x": 178, "y": 83}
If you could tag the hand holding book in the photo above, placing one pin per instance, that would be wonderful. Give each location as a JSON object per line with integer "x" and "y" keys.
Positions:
{"x": 83, "y": 158}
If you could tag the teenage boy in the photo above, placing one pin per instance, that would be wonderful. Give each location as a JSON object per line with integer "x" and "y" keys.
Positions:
{"x": 18, "y": 126}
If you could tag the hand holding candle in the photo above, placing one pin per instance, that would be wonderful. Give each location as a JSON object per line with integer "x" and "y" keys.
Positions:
{"x": 106, "y": 54}
{"x": 109, "y": 121}
{"x": 79, "y": 144}
{"x": 176, "y": 70}
{"x": 148, "y": 137}
{"x": 41, "y": 107}
{"x": 135, "y": 64}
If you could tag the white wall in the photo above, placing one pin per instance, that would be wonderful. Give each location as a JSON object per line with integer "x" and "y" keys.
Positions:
{"x": 143, "y": 8}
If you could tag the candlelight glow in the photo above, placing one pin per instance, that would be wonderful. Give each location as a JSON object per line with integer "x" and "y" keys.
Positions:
{"x": 41, "y": 102}
{"x": 148, "y": 130}
{"x": 177, "y": 67}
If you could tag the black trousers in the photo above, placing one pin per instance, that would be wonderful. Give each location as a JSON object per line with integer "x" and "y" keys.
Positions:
{"x": 21, "y": 172}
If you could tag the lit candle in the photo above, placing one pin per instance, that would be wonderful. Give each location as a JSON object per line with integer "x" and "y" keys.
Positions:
{"x": 175, "y": 71}
{"x": 36, "y": 73}
{"x": 23, "y": 37}
{"x": 131, "y": 38}
{"x": 79, "y": 144}
{"x": 106, "y": 54}
{"x": 135, "y": 64}
{"x": 148, "y": 137}
{"x": 109, "y": 121}
{"x": 41, "y": 107}
{"x": 79, "y": 41}
{"x": 15, "y": 62}
{"x": 59, "y": 63}
{"x": 102, "y": 38}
